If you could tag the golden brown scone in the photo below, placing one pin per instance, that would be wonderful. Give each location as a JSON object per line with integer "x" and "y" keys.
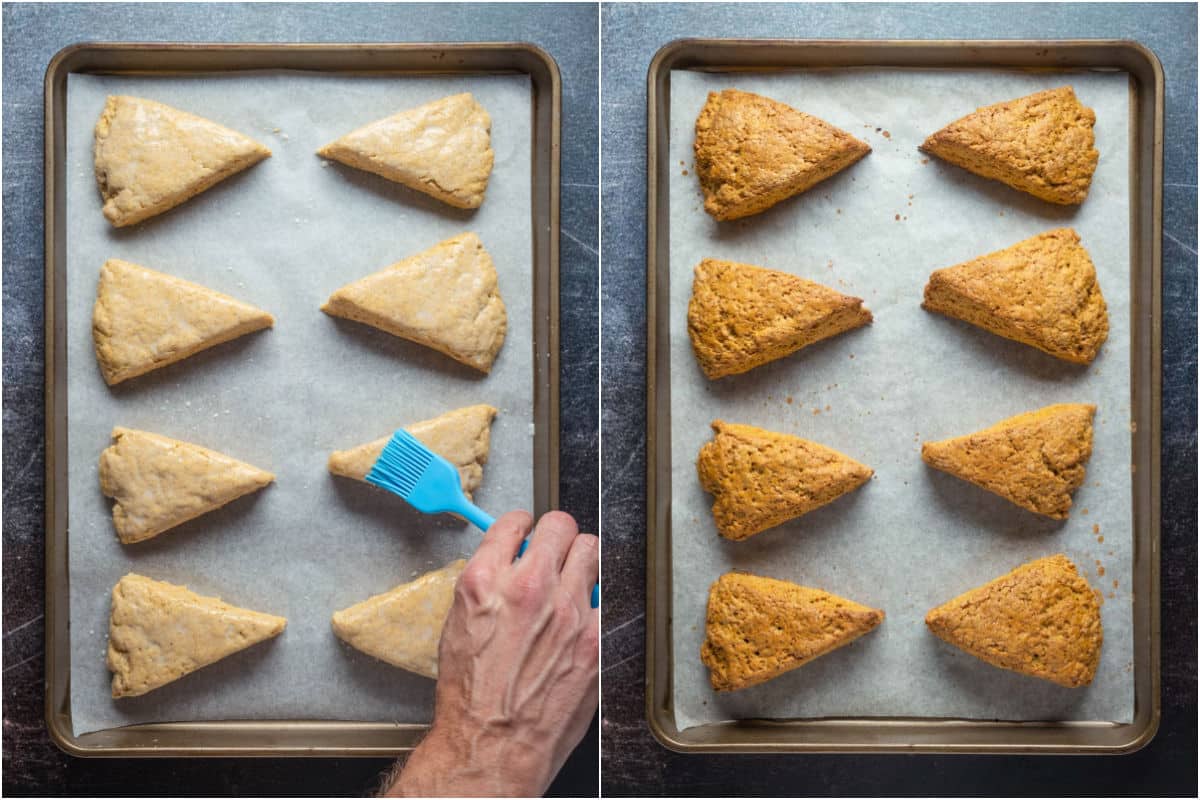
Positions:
{"x": 1036, "y": 459}
{"x": 461, "y": 436}
{"x": 445, "y": 298}
{"x": 1041, "y": 144}
{"x": 1042, "y": 619}
{"x": 404, "y": 625}
{"x": 741, "y": 316}
{"x": 1042, "y": 292}
{"x": 443, "y": 149}
{"x": 759, "y": 628}
{"x": 158, "y": 632}
{"x": 752, "y": 152}
{"x": 159, "y": 483}
{"x": 144, "y": 320}
{"x": 760, "y": 479}
{"x": 151, "y": 157}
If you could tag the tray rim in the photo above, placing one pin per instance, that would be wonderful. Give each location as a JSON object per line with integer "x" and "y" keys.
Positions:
{"x": 276, "y": 738}
{"x": 925, "y": 735}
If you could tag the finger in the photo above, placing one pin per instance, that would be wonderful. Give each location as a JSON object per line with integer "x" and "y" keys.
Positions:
{"x": 581, "y": 568}
{"x": 502, "y": 540}
{"x": 552, "y": 539}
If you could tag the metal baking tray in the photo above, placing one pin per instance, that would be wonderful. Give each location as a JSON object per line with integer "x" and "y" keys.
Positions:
{"x": 284, "y": 737}
{"x": 914, "y": 735}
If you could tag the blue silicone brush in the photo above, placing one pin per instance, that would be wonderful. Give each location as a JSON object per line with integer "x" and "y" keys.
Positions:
{"x": 430, "y": 484}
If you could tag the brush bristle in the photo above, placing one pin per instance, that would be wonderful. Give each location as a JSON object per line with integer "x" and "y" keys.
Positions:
{"x": 400, "y": 465}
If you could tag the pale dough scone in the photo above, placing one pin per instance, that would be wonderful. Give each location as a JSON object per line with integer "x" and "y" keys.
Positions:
{"x": 159, "y": 483}
{"x": 759, "y": 628}
{"x": 446, "y": 298}
{"x": 151, "y": 157}
{"x": 742, "y": 316}
{"x": 1042, "y": 292}
{"x": 158, "y": 632}
{"x": 1042, "y": 619}
{"x": 461, "y": 436}
{"x": 1042, "y": 144}
{"x": 443, "y": 149}
{"x": 403, "y": 626}
{"x": 760, "y": 479}
{"x": 1036, "y": 459}
{"x": 145, "y": 319}
{"x": 752, "y": 152}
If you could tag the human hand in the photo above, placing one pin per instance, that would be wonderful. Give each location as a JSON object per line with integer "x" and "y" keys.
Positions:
{"x": 517, "y": 665}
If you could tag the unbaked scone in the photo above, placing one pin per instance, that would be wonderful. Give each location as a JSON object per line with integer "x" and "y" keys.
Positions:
{"x": 158, "y": 632}
{"x": 760, "y": 479}
{"x": 159, "y": 483}
{"x": 1042, "y": 292}
{"x": 403, "y": 626}
{"x": 461, "y": 436}
{"x": 1042, "y": 144}
{"x": 145, "y": 319}
{"x": 1036, "y": 459}
{"x": 446, "y": 298}
{"x": 151, "y": 157}
{"x": 752, "y": 152}
{"x": 759, "y": 628}
{"x": 443, "y": 149}
{"x": 1042, "y": 619}
{"x": 741, "y": 316}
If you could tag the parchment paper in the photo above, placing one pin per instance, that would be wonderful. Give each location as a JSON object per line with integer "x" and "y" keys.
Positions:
{"x": 283, "y": 235}
{"x": 913, "y": 537}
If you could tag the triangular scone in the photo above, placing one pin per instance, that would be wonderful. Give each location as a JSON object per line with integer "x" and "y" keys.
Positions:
{"x": 159, "y": 483}
{"x": 1041, "y": 144}
{"x": 759, "y": 628}
{"x": 403, "y": 626}
{"x": 443, "y": 149}
{"x": 741, "y": 316}
{"x": 151, "y": 157}
{"x": 1041, "y": 292}
{"x": 461, "y": 436}
{"x": 445, "y": 297}
{"x": 760, "y": 479}
{"x": 159, "y": 632}
{"x": 144, "y": 320}
{"x": 1036, "y": 459}
{"x": 1042, "y": 619}
{"x": 752, "y": 152}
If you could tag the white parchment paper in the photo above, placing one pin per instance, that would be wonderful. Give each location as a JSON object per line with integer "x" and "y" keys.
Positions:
{"x": 913, "y": 537}
{"x": 283, "y": 235}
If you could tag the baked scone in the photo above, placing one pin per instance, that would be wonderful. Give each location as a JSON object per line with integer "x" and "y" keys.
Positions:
{"x": 1042, "y": 292}
{"x": 144, "y": 320}
{"x": 1036, "y": 459}
{"x": 158, "y": 632}
{"x": 752, "y": 152}
{"x": 760, "y": 479}
{"x": 443, "y": 149}
{"x": 151, "y": 157}
{"x": 461, "y": 436}
{"x": 403, "y": 626}
{"x": 446, "y": 298}
{"x": 759, "y": 628}
{"x": 742, "y": 316}
{"x": 1042, "y": 619}
{"x": 1042, "y": 144}
{"x": 159, "y": 483}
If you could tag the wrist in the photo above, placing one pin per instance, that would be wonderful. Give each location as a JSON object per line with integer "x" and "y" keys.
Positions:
{"x": 474, "y": 763}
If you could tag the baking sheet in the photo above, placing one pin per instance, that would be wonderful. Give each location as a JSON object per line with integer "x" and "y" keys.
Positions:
{"x": 283, "y": 235}
{"x": 913, "y": 537}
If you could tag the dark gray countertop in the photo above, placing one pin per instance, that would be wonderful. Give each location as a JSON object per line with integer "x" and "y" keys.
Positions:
{"x": 633, "y": 762}
{"x": 34, "y": 33}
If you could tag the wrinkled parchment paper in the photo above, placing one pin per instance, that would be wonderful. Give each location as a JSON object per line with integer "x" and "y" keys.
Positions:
{"x": 911, "y": 538}
{"x": 283, "y": 235}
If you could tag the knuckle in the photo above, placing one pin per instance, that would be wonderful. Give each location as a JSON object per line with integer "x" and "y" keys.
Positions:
{"x": 560, "y": 520}
{"x": 475, "y": 583}
{"x": 527, "y": 590}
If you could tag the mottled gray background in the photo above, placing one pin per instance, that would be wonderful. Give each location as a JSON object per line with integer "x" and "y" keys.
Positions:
{"x": 633, "y": 762}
